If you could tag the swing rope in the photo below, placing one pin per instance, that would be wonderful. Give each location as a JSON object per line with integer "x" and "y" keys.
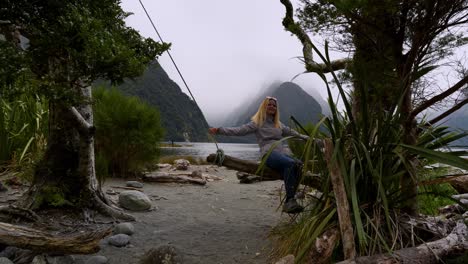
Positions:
{"x": 219, "y": 152}
{"x": 219, "y": 158}
{"x": 168, "y": 53}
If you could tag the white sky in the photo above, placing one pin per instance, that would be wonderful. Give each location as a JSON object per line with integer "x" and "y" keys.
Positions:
{"x": 227, "y": 51}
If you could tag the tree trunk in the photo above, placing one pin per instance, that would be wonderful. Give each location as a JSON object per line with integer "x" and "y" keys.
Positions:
{"x": 66, "y": 174}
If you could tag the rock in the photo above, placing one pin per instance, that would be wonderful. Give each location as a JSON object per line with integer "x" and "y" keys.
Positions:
{"x": 134, "y": 184}
{"x": 39, "y": 259}
{"x": 134, "y": 201}
{"x": 9, "y": 252}
{"x": 289, "y": 259}
{"x": 119, "y": 240}
{"x": 4, "y": 260}
{"x": 163, "y": 165}
{"x": 161, "y": 255}
{"x": 245, "y": 177}
{"x": 3, "y": 188}
{"x": 460, "y": 184}
{"x": 197, "y": 174}
{"x": 60, "y": 260}
{"x": 97, "y": 260}
{"x": 181, "y": 164}
{"x": 124, "y": 228}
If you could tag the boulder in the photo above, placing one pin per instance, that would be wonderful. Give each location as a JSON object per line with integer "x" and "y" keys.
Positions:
{"x": 4, "y": 260}
{"x": 124, "y": 228}
{"x": 134, "y": 184}
{"x": 134, "y": 201}
{"x": 120, "y": 240}
{"x": 181, "y": 164}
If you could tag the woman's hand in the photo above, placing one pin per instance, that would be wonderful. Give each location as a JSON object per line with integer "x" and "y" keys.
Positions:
{"x": 213, "y": 130}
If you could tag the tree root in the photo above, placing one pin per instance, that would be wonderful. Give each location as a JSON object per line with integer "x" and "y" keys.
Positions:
{"x": 109, "y": 210}
{"x": 13, "y": 210}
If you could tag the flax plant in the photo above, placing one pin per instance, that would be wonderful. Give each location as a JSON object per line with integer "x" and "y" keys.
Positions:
{"x": 23, "y": 128}
{"x": 372, "y": 160}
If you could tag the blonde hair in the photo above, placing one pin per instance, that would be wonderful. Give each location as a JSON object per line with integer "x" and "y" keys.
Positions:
{"x": 260, "y": 117}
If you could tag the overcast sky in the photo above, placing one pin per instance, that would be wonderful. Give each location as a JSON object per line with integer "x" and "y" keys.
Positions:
{"x": 226, "y": 50}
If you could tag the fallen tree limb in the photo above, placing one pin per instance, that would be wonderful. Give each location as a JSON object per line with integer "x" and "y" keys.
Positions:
{"x": 245, "y": 166}
{"x": 427, "y": 253}
{"x": 166, "y": 177}
{"x": 251, "y": 167}
{"x": 39, "y": 241}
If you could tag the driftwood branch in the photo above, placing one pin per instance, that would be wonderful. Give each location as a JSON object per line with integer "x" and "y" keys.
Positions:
{"x": 268, "y": 174}
{"x": 342, "y": 204}
{"x": 427, "y": 253}
{"x": 166, "y": 177}
{"x": 245, "y": 166}
{"x": 40, "y": 241}
{"x": 310, "y": 65}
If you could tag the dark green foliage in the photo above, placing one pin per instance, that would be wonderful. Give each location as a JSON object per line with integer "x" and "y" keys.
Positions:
{"x": 373, "y": 159}
{"x": 23, "y": 128}
{"x": 128, "y": 132}
{"x": 76, "y": 40}
{"x": 181, "y": 118}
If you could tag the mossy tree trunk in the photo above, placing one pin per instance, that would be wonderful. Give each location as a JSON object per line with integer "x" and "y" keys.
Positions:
{"x": 66, "y": 174}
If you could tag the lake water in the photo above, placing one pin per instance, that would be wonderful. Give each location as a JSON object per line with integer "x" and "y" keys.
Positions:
{"x": 241, "y": 151}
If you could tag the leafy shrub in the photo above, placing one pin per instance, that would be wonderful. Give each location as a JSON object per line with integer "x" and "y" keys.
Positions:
{"x": 128, "y": 132}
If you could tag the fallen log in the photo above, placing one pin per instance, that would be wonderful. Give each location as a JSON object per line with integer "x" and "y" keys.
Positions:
{"x": 427, "y": 253}
{"x": 40, "y": 241}
{"x": 245, "y": 166}
{"x": 167, "y": 177}
{"x": 268, "y": 174}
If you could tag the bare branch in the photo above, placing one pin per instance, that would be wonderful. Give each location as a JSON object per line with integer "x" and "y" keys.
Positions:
{"x": 448, "y": 112}
{"x": 83, "y": 125}
{"x": 439, "y": 97}
{"x": 310, "y": 65}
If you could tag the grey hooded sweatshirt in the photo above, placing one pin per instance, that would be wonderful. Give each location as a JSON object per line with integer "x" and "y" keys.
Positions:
{"x": 266, "y": 135}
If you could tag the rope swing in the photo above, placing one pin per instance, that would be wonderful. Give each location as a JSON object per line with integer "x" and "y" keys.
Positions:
{"x": 219, "y": 152}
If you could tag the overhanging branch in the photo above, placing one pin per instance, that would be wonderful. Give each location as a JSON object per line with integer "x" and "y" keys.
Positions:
{"x": 448, "y": 112}
{"x": 310, "y": 65}
{"x": 438, "y": 98}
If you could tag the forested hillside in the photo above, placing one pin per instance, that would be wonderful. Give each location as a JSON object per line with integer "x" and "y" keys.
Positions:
{"x": 181, "y": 118}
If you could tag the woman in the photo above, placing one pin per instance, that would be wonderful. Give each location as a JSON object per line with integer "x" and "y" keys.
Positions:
{"x": 268, "y": 129}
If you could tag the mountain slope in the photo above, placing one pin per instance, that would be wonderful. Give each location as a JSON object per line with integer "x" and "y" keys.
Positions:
{"x": 181, "y": 118}
{"x": 292, "y": 101}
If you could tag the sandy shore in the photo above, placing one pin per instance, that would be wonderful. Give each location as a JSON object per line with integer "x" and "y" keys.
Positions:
{"x": 221, "y": 222}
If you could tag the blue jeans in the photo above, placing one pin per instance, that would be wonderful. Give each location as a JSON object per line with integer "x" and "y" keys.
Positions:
{"x": 289, "y": 168}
